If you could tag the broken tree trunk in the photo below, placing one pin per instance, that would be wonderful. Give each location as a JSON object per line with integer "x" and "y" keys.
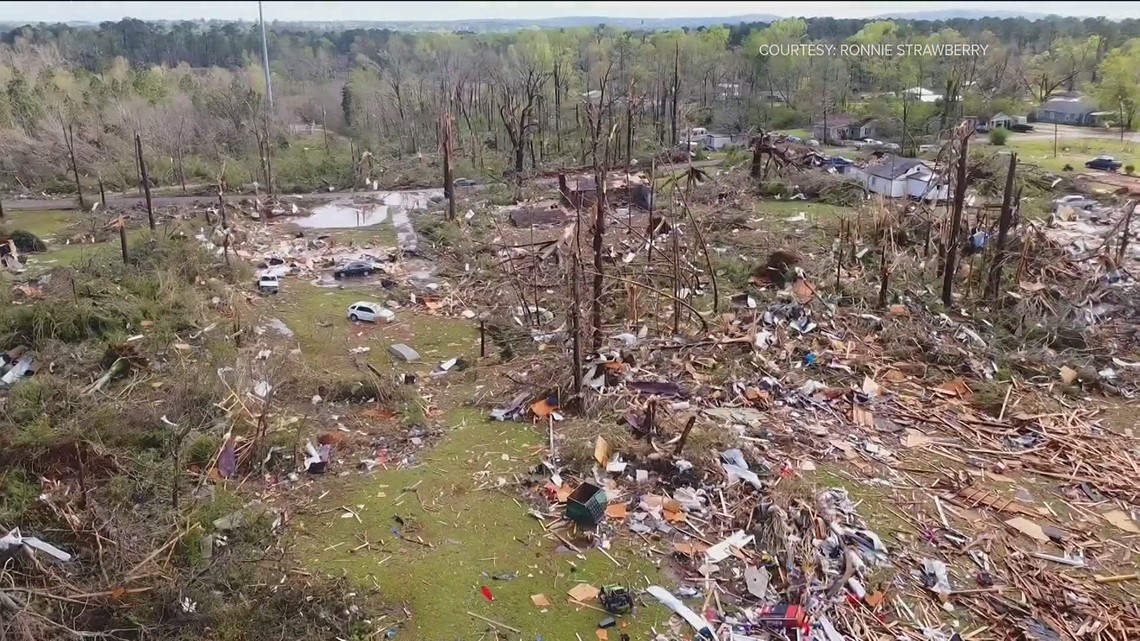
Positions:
{"x": 69, "y": 137}
{"x": 123, "y": 240}
{"x": 684, "y": 436}
{"x": 145, "y": 180}
{"x": 1124, "y": 237}
{"x": 563, "y": 191}
{"x": 448, "y": 178}
{"x": 883, "y": 279}
{"x": 1001, "y": 251}
{"x": 1, "y": 210}
{"x": 102, "y": 197}
{"x": 599, "y": 265}
{"x": 955, "y": 221}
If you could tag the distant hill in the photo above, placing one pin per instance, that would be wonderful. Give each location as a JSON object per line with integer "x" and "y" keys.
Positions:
{"x": 960, "y": 14}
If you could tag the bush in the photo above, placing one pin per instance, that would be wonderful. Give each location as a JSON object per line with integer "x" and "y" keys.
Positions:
{"x": 998, "y": 136}
{"x": 25, "y": 241}
{"x": 1129, "y": 169}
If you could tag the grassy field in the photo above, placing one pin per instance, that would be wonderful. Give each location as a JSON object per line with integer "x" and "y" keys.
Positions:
{"x": 472, "y": 530}
{"x": 1073, "y": 152}
{"x": 816, "y": 212}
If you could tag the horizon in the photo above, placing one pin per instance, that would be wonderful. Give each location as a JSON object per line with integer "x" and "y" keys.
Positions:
{"x": 427, "y": 12}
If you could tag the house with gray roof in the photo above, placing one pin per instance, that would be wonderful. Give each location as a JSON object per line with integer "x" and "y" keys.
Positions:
{"x": 1071, "y": 110}
{"x": 898, "y": 177}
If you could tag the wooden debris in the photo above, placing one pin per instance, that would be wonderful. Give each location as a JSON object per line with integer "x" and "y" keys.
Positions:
{"x": 975, "y": 496}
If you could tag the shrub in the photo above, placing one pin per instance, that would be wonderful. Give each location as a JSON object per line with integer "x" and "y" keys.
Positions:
{"x": 998, "y": 136}
{"x": 1129, "y": 169}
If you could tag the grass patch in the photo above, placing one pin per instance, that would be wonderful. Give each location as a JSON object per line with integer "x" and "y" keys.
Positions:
{"x": 815, "y": 212}
{"x": 317, "y": 317}
{"x": 473, "y": 529}
{"x": 41, "y": 223}
{"x": 804, "y": 134}
{"x": 1074, "y": 152}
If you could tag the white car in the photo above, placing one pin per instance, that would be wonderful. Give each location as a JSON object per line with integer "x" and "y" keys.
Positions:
{"x": 370, "y": 312}
{"x": 268, "y": 284}
{"x": 1075, "y": 200}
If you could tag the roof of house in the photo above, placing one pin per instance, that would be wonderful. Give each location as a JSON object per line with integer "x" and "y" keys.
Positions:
{"x": 1076, "y": 106}
{"x": 892, "y": 167}
{"x": 837, "y": 120}
{"x": 1001, "y": 116}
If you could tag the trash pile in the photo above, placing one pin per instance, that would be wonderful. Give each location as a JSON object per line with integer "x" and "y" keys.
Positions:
{"x": 992, "y": 509}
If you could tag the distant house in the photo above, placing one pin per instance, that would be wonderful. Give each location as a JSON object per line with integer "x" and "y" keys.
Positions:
{"x": 770, "y": 96}
{"x": 896, "y": 177}
{"x": 716, "y": 142}
{"x": 843, "y": 127}
{"x": 726, "y": 90}
{"x": 922, "y": 95}
{"x": 1071, "y": 110}
{"x": 1001, "y": 121}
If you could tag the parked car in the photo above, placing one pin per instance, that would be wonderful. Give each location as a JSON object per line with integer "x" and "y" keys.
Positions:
{"x": 890, "y": 146}
{"x": 354, "y": 268}
{"x": 1021, "y": 127}
{"x": 925, "y": 149}
{"x": 1075, "y": 200}
{"x": 1106, "y": 163}
{"x": 268, "y": 285}
{"x": 982, "y": 128}
{"x": 465, "y": 182}
{"x": 369, "y": 312}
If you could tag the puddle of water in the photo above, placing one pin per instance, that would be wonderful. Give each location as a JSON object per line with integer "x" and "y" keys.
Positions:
{"x": 401, "y": 203}
{"x": 340, "y": 215}
{"x": 349, "y": 213}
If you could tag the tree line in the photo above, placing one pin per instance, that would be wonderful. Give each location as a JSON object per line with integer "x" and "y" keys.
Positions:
{"x": 516, "y": 101}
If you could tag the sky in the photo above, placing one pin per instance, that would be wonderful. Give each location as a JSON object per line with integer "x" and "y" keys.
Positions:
{"x": 317, "y": 10}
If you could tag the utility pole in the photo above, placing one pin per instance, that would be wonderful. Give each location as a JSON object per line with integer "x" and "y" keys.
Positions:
{"x": 265, "y": 56}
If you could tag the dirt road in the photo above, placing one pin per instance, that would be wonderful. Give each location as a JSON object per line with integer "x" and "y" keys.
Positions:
{"x": 123, "y": 201}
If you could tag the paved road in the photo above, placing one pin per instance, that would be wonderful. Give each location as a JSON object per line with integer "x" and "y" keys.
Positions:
{"x": 122, "y": 201}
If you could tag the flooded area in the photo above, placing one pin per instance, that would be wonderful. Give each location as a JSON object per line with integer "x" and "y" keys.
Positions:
{"x": 348, "y": 213}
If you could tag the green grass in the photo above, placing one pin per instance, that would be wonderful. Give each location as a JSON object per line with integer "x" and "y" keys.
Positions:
{"x": 41, "y": 223}
{"x": 1075, "y": 152}
{"x": 804, "y": 134}
{"x": 473, "y": 529}
{"x": 816, "y": 212}
{"x": 317, "y": 316}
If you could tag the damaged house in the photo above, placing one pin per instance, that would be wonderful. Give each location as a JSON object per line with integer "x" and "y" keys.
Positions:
{"x": 898, "y": 177}
{"x": 582, "y": 191}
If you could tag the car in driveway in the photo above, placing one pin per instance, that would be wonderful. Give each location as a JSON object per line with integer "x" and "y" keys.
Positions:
{"x": 465, "y": 182}
{"x": 1105, "y": 163}
{"x": 354, "y": 268}
{"x": 369, "y": 312}
{"x": 1021, "y": 127}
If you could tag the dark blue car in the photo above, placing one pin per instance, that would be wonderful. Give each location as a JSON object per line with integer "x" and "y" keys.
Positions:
{"x": 1106, "y": 163}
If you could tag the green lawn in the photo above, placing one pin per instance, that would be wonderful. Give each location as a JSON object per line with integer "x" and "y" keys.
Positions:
{"x": 317, "y": 316}
{"x": 815, "y": 212}
{"x": 1074, "y": 152}
{"x": 475, "y": 531}
{"x": 41, "y": 223}
{"x": 804, "y": 134}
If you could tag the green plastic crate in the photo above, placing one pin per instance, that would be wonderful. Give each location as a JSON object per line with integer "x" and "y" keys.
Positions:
{"x": 586, "y": 506}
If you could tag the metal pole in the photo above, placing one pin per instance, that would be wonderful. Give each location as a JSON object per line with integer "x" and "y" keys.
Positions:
{"x": 1054, "y": 138}
{"x": 265, "y": 56}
